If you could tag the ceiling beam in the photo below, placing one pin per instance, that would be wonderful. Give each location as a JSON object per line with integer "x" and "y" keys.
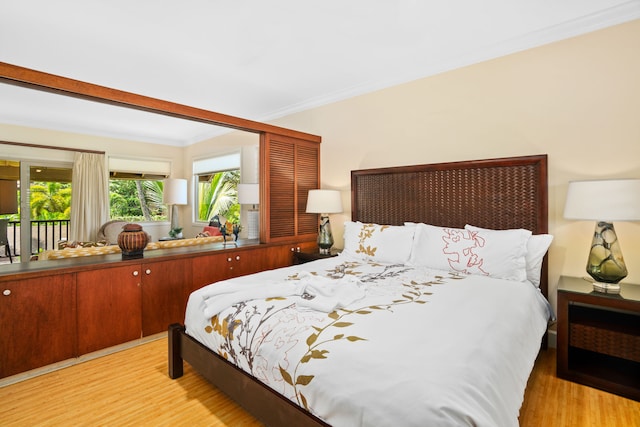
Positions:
{"x": 33, "y": 79}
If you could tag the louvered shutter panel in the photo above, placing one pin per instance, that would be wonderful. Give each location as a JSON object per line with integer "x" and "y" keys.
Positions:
{"x": 291, "y": 167}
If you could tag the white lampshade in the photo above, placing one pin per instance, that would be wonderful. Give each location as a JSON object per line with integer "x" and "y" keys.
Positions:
{"x": 249, "y": 194}
{"x": 324, "y": 201}
{"x": 604, "y": 200}
{"x": 175, "y": 191}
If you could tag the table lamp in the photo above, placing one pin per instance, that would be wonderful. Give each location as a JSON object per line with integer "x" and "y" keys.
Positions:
{"x": 249, "y": 194}
{"x": 324, "y": 202}
{"x": 604, "y": 201}
{"x": 173, "y": 194}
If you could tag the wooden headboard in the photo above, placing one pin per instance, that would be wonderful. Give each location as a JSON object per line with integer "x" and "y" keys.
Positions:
{"x": 494, "y": 193}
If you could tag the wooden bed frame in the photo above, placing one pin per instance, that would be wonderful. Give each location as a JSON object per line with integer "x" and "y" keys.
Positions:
{"x": 494, "y": 193}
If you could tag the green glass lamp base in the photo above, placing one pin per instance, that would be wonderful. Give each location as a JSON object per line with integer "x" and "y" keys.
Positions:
{"x": 606, "y": 264}
{"x": 325, "y": 238}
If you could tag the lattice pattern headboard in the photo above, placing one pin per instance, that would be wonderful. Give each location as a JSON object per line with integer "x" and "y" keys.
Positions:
{"x": 494, "y": 193}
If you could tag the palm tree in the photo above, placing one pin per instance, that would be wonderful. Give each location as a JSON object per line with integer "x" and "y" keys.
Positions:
{"x": 219, "y": 196}
{"x": 153, "y": 191}
{"x": 50, "y": 200}
{"x": 136, "y": 200}
{"x": 150, "y": 196}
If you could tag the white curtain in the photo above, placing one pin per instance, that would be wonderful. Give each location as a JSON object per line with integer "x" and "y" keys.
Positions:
{"x": 89, "y": 197}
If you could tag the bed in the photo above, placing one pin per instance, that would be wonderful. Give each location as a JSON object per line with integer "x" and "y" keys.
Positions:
{"x": 414, "y": 334}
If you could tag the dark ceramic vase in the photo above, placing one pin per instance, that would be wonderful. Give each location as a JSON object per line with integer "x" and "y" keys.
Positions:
{"x": 132, "y": 241}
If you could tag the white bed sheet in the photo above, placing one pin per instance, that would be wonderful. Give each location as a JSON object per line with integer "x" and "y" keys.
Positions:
{"x": 416, "y": 350}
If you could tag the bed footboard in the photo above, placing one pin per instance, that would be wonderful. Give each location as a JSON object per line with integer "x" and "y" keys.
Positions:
{"x": 262, "y": 402}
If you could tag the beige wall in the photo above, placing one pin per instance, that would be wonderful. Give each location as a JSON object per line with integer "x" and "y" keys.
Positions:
{"x": 111, "y": 146}
{"x": 576, "y": 100}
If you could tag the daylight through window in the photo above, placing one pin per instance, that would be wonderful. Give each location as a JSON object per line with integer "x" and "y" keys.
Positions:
{"x": 135, "y": 189}
{"x": 217, "y": 181}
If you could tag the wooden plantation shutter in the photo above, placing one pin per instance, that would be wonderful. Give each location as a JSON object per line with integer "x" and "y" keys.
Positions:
{"x": 290, "y": 168}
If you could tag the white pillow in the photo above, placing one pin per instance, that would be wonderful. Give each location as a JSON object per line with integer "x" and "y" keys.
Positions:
{"x": 537, "y": 247}
{"x": 381, "y": 243}
{"x": 478, "y": 252}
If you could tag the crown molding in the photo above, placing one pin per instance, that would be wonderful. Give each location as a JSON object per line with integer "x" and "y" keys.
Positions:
{"x": 620, "y": 14}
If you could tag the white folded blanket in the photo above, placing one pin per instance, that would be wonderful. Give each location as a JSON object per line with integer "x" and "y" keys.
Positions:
{"x": 326, "y": 294}
{"x": 311, "y": 291}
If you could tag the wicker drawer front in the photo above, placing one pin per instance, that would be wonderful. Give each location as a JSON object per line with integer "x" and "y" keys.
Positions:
{"x": 612, "y": 343}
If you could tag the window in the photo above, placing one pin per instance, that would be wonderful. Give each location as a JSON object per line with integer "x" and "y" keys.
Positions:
{"x": 135, "y": 189}
{"x": 216, "y": 190}
{"x": 136, "y": 200}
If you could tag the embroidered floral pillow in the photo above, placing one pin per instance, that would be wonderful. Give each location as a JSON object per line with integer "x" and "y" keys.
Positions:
{"x": 478, "y": 252}
{"x": 375, "y": 242}
{"x": 537, "y": 247}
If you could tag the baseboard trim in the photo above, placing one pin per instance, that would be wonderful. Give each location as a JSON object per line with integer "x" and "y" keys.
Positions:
{"x": 77, "y": 360}
{"x": 552, "y": 336}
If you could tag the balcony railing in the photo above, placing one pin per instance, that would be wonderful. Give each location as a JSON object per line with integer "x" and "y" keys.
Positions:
{"x": 45, "y": 234}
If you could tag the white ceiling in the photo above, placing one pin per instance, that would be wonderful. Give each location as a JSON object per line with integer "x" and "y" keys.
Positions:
{"x": 259, "y": 59}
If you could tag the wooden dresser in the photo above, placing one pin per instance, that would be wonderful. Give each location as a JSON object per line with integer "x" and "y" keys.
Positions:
{"x": 56, "y": 310}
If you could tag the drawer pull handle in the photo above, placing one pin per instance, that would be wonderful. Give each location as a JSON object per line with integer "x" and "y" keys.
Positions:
{"x": 135, "y": 273}
{"x": 148, "y": 271}
{"x": 6, "y": 292}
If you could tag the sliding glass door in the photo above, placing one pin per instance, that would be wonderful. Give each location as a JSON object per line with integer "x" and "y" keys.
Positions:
{"x": 39, "y": 220}
{"x": 9, "y": 217}
{"x": 47, "y": 206}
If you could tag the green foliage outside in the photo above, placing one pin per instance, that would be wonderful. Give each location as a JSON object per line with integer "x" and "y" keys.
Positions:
{"x": 50, "y": 200}
{"x": 219, "y": 196}
{"x": 130, "y": 200}
{"x": 133, "y": 200}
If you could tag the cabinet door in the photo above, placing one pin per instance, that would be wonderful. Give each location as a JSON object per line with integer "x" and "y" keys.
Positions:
{"x": 290, "y": 168}
{"x": 250, "y": 261}
{"x": 214, "y": 267}
{"x": 282, "y": 255}
{"x": 109, "y": 301}
{"x": 225, "y": 265}
{"x": 164, "y": 294}
{"x": 37, "y": 323}
{"x": 209, "y": 269}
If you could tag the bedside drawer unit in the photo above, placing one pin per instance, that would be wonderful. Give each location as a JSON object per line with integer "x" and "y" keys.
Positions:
{"x": 615, "y": 334}
{"x": 599, "y": 337}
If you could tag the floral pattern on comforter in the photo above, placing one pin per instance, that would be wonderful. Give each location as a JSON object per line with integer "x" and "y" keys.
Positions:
{"x": 282, "y": 345}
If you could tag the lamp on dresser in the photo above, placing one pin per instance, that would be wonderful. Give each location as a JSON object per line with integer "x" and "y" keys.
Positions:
{"x": 249, "y": 194}
{"x": 324, "y": 202}
{"x": 604, "y": 201}
{"x": 174, "y": 193}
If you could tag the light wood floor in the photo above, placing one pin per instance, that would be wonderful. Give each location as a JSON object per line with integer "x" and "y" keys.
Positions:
{"x": 131, "y": 387}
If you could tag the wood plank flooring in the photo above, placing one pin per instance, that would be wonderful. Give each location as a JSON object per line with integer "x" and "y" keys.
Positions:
{"x": 131, "y": 388}
{"x": 550, "y": 401}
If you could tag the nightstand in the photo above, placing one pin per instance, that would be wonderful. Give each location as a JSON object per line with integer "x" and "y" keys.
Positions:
{"x": 599, "y": 336}
{"x": 302, "y": 257}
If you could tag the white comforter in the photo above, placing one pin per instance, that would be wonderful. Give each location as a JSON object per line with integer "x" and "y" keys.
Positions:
{"x": 419, "y": 348}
